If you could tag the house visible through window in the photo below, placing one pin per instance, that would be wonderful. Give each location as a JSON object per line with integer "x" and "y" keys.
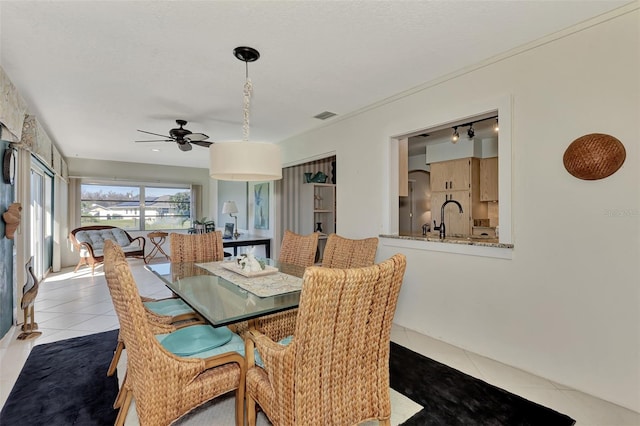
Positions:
{"x": 136, "y": 207}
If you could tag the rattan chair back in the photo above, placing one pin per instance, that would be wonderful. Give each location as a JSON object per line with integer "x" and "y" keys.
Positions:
{"x": 298, "y": 249}
{"x": 343, "y": 252}
{"x": 114, "y": 255}
{"x": 336, "y": 369}
{"x": 196, "y": 247}
{"x": 159, "y": 323}
{"x": 165, "y": 386}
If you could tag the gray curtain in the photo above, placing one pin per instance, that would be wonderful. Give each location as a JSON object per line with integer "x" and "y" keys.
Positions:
{"x": 288, "y": 191}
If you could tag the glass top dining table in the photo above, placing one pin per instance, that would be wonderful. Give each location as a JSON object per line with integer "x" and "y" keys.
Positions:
{"x": 219, "y": 300}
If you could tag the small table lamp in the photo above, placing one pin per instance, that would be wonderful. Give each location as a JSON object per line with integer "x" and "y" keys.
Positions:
{"x": 229, "y": 207}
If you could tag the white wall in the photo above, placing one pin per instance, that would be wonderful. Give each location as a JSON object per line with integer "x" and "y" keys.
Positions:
{"x": 148, "y": 173}
{"x": 566, "y": 306}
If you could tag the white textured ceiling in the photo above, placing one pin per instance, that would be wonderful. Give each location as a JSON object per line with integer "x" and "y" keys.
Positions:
{"x": 95, "y": 71}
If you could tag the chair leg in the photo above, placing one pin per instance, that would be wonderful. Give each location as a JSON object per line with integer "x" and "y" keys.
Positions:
{"x": 81, "y": 262}
{"x": 251, "y": 411}
{"x": 240, "y": 404}
{"x": 386, "y": 422}
{"x": 122, "y": 393}
{"x": 124, "y": 408}
{"x": 116, "y": 358}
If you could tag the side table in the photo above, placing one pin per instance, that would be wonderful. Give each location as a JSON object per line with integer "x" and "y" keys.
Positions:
{"x": 157, "y": 238}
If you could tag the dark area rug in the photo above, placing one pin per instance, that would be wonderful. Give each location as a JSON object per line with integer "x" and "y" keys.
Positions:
{"x": 65, "y": 383}
{"x": 451, "y": 398}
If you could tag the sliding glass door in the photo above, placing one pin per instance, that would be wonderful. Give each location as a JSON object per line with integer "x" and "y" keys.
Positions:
{"x": 41, "y": 218}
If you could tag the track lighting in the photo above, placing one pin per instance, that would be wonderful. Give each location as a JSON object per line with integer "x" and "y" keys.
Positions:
{"x": 471, "y": 132}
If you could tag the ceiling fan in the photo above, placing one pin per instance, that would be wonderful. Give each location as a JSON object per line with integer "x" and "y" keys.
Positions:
{"x": 183, "y": 137}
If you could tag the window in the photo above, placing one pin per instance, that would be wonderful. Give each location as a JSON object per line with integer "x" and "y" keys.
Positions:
{"x": 136, "y": 207}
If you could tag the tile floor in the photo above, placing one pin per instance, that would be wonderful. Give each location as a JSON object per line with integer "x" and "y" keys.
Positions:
{"x": 75, "y": 304}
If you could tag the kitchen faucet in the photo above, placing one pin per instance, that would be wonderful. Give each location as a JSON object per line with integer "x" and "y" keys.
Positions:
{"x": 442, "y": 227}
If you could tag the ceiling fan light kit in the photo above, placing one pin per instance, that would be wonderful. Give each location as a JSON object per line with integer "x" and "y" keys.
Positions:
{"x": 244, "y": 160}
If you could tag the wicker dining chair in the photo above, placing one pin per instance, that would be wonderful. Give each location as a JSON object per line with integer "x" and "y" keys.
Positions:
{"x": 165, "y": 386}
{"x": 166, "y": 313}
{"x": 298, "y": 250}
{"x": 159, "y": 325}
{"x": 207, "y": 247}
{"x": 196, "y": 247}
{"x": 341, "y": 252}
{"x": 335, "y": 370}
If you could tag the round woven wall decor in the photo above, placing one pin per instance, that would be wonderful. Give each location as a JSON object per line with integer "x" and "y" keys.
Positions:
{"x": 594, "y": 156}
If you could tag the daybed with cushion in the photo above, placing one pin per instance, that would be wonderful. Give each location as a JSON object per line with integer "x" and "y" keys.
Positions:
{"x": 89, "y": 241}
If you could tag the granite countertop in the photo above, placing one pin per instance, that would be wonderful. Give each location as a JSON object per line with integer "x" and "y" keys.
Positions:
{"x": 475, "y": 240}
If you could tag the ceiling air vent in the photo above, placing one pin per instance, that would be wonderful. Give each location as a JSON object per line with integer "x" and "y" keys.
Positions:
{"x": 324, "y": 115}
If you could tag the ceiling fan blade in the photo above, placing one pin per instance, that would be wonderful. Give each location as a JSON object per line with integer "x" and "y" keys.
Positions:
{"x": 202, "y": 143}
{"x": 196, "y": 137}
{"x": 157, "y": 140}
{"x": 185, "y": 146}
{"x": 156, "y": 134}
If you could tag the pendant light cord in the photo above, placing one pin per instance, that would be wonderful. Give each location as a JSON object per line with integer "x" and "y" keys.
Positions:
{"x": 248, "y": 89}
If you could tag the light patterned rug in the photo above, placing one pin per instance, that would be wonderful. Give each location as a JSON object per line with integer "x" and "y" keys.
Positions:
{"x": 221, "y": 412}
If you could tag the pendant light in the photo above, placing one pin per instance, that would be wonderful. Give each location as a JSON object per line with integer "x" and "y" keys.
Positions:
{"x": 244, "y": 160}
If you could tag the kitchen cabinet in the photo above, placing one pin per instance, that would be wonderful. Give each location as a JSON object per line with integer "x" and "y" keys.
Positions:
{"x": 453, "y": 175}
{"x": 489, "y": 179}
{"x": 458, "y": 180}
{"x": 484, "y": 231}
{"x": 403, "y": 167}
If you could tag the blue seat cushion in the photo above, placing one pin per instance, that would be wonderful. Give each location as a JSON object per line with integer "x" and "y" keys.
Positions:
{"x": 195, "y": 339}
{"x": 235, "y": 344}
{"x": 169, "y": 307}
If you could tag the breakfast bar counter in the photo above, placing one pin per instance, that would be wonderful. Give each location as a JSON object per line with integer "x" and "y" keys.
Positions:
{"x": 480, "y": 241}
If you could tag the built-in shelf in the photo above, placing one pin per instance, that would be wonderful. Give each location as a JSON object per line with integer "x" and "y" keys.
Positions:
{"x": 318, "y": 206}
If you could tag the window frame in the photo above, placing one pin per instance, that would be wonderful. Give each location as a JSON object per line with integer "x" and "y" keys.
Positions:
{"x": 140, "y": 209}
